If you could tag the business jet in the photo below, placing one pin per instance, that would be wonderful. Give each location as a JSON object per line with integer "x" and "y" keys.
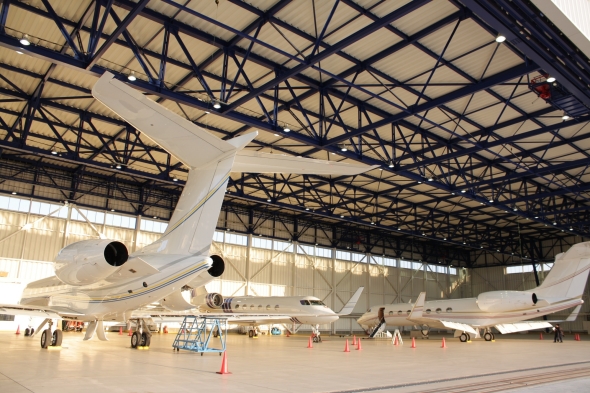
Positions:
{"x": 505, "y": 310}
{"x": 253, "y": 311}
{"x": 98, "y": 280}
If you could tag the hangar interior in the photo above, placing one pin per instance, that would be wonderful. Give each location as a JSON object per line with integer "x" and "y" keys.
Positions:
{"x": 479, "y": 143}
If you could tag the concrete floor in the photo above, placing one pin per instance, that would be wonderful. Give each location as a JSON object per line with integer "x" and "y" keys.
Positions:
{"x": 281, "y": 364}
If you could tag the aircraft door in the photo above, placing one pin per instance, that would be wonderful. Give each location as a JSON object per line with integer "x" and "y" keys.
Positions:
{"x": 381, "y": 314}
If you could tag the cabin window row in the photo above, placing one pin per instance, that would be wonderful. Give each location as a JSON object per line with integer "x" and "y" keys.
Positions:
{"x": 428, "y": 311}
{"x": 253, "y": 307}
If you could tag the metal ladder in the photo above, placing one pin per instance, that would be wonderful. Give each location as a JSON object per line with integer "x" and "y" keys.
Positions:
{"x": 197, "y": 333}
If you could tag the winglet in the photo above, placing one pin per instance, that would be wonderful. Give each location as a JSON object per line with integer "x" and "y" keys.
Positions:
{"x": 418, "y": 307}
{"x": 574, "y": 314}
{"x": 348, "y": 307}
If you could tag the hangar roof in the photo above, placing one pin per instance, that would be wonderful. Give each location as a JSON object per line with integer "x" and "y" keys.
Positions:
{"x": 472, "y": 151}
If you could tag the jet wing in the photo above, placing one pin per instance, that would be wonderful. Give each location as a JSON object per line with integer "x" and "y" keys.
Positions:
{"x": 522, "y": 326}
{"x": 458, "y": 326}
{"x": 135, "y": 267}
{"x": 239, "y": 319}
{"x": 38, "y": 311}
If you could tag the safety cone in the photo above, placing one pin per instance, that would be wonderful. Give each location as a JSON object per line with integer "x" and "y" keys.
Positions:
{"x": 444, "y": 344}
{"x": 309, "y": 344}
{"x": 577, "y": 337}
{"x": 354, "y": 339}
{"x": 395, "y": 342}
{"x": 413, "y": 342}
{"x": 358, "y": 345}
{"x": 130, "y": 332}
{"x": 120, "y": 330}
{"x": 223, "y": 365}
{"x": 165, "y": 329}
{"x": 17, "y": 330}
{"x": 288, "y": 335}
{"x": 540, "y": 336}
{"x": 346, "y": 348}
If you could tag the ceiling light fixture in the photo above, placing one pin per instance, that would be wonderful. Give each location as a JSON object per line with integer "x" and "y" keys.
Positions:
{"x": 132, "y": 76}
{"x": 491, "y": 200}
{"x": 155, "y": 217}
{"x": 390, "y": 164}
{"x": 286, "y": 129}
{"x": 565, "y": 117}
{"x": 216, "y": 105}
{"x": 515, "y": 209}
{"x": 276, "y": 134}
{"x": 13, "y": 192}
{"x": 112, "y": 210}
{"x": 430, "y": 179}
{"x": 343, "y": 148}
{"x": 269, "y": 200}
{"x": 174, "y": 179}
{"x": 307, "y": 208}
{"x": 341, "y": 216}
{"x": 118, "y": 166}
{"x": 19, "y": 52}
{"x": 25, "y": 40}
{"x": 551, "y": 79}
{"x": 463, "y": 191}
{"x": 54, "y": 152}
{"x": 500, "y": 39}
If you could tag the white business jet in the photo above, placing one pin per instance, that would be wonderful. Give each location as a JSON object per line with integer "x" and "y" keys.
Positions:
{"x": 253, "y": 311}
{"x": 505, "y": 310}
{"x": 98, "y": 280}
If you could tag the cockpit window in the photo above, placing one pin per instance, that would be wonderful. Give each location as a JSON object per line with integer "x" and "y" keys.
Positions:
{"x": 304, "y": 302}
{"x": 316, "y": 303}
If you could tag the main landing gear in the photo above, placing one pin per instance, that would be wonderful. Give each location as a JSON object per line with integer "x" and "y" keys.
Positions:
{"x": 49, "y": 339}
{"x": 142, "y": 337}
{"x": 489, "y": 336}
{"x": 464, "y": 337}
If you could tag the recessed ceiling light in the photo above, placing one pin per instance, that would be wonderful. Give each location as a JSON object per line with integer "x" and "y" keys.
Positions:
{"x": 500, "y": 38}
{"x": 551, "y": 79}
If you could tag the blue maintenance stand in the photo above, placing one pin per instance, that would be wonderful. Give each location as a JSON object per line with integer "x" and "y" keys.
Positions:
{"x": 197, "y": 333}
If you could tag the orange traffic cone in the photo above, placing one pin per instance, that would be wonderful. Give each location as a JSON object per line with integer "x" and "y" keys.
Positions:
{"x": 413, "y": 342}
{"x": 309, "y": 344}
{"x": 444, "y": 344}
{"x": 540, "y": 336}
{"x": 120, "y": 330}
{"x": 358, "y": 346}
{"x": 288, "y": 335}
{"x": 165, "y": 329}
{"x": 223, "y": 366}
{"x": 17, "y": 330}
{"x": 346, "y": 348}
{"x": 577, "y": 337}
{"x": 130, "y": 332}
{"x": 354, "y": 340}
{"x": 395, "y": 342}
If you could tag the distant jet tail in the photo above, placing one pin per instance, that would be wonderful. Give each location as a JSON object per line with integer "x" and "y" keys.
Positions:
{"x": 568, "y": 277}
{"x": 348, "y": 307}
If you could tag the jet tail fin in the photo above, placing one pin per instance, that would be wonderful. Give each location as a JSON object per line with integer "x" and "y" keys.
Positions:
{"x": 418, "y": 307}
{"x": 569, "y": 274}
{"x": 348, "y": 307}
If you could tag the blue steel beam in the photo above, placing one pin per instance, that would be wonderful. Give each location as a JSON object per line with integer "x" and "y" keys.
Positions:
{"x": 121, "y": 27}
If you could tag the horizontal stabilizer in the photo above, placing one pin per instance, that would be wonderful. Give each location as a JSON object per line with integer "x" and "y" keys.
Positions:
{"x": 459, "y": 326}
{"x": 249, "y": 161}
{"x": 135, "y": 267}
{"x": 348, "y": 307}
{"x": 522, "y": 326}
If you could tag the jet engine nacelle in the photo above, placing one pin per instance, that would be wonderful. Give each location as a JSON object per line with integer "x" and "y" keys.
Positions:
{"x": 499, "y": 301}
{"x": 197, "y": 296}
{"x": 89, "y": 261}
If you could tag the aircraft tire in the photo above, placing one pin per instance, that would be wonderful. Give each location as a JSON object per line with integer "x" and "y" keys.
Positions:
{"x": 56, "y": 338}
{"x": 488, "y": 336}
{"x": 493, "y": 336}
{"x": 45, "y": 338}
{"x": 145, "y": 340}
{"x": 463, "y": 337}
{"x": 315, "y": 339}
{"x": 250, "y": 333}
{"x": 135, "y": 340}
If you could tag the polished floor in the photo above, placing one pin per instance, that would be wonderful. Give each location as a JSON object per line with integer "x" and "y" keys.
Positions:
{"x": 285, "y": 364}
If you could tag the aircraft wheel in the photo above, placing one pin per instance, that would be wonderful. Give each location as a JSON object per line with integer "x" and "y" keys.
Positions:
{"x": 45, "y": 338}
{"x": 493, "y": 336}
{"x": 56, "y": 338}
{"x": 468, "y": 336}
{"x": 135, "y": 340}
{"x": 315, "y": 339}
{"x": 145, "y": 339}
{"x": 463, "y": 337}
{"x": 250, "y": 333}
{"x": 487, "y": 336}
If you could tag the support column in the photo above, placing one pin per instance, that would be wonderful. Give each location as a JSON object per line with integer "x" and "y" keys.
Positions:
{"x": 135, "y": 233}
{"x": 247, "y": 272}
{"x": 67, "y": 226}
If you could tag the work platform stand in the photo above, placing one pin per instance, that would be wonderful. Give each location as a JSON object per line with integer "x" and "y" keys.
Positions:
{"x": 197, "y": 333}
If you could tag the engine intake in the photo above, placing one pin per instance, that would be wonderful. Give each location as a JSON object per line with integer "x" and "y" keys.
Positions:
{"x": 89, "y": 261}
